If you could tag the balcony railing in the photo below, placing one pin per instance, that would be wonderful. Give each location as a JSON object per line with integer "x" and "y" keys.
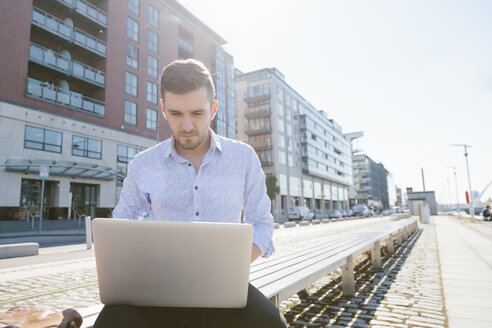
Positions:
{"x": 49, "y": 58}
{"x": 51, "y": 23}
{"x": 87, "y": 10}
{"x": 47, "y": 92}
{"x": 263, "y": 147}
{"x": 63, "y": 64}
{"x": 262, "y": 113}
{"x": 256, "y": 96}
{"x": 58, "y": 27}
{"x": 257, "y": 131}
{"x": 92, "y": 12}
{"x": 266, "y": 163}
{"x": 90, "y": 42}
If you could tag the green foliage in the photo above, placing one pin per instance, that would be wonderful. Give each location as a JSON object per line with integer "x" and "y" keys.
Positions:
{"x": 272, "y": 188}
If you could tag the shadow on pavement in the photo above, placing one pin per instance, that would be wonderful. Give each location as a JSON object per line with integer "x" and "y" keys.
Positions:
{"x": 328, "y": 306}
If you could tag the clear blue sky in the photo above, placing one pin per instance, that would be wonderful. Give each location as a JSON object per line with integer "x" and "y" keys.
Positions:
{"x": 415, "y": 76}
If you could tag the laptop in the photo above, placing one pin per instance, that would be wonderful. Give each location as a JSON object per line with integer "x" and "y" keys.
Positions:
{"x": 172, "y": 264}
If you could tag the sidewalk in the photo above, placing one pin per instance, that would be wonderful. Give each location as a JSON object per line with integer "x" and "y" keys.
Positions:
{"x": 465, "y": 252}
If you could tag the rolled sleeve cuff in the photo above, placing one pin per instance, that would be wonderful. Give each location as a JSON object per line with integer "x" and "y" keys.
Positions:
{"x": 264, "y": 244}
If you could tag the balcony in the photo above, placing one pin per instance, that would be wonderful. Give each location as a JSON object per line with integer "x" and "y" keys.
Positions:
{"x": 257, "y": 131}
{"x": 264, "y": 147}
{"x": 262, "y": 113}
{"x": 85, "y": 40}
{"x": 86, "y": 10}
{"x": 266, "y": 163}
{"x": 61, "y": 29}
{"x": 47, "y": 92}
{"x": 256, "y": 97}
{"x": 64, "y": 65}
{"x": 91, "y": 12}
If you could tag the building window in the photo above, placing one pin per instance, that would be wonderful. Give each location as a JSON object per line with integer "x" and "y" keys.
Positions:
{"x": 125, "y": 155}
{"x": 42, "y": 139}
{"x": 151, "y": 92}
{"x": 132, "y": 55}
{"x": 151, "y": 122}
{"x": 86, "y": 147}
{"x": 152, "y": 64}
{"x": 131, "y": 84}
{"x": 132, "y": 29}
{"x": 153, "y": 17}
{"x": 152, "y": 41}
{"x": 185, "y": 43}
{"x": 130, "y": 112}
{"x": 134, "y": 6}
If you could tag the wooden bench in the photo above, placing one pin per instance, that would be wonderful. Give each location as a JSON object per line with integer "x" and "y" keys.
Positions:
{"x": 280, "y": 277}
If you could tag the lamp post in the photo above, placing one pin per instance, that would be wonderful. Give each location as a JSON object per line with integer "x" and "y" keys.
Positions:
{"x": 465, "y": 146}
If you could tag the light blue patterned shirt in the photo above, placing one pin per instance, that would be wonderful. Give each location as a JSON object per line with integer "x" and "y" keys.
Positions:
{"x": 167, "y": 187}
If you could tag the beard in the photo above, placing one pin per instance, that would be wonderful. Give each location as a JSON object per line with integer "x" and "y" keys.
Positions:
{"x": 191, "y": 143}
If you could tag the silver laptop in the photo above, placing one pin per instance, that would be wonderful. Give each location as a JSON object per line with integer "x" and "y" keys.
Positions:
{"x": 172, "y": 264}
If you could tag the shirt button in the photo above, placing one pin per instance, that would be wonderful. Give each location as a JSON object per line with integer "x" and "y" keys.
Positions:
{"x": 189, "y": 164}
{"x": 196, "y": 213}
{"x": 196, "y": 187}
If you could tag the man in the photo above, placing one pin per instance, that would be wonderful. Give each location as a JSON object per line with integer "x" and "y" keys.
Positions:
{"x": 197, "y": 176}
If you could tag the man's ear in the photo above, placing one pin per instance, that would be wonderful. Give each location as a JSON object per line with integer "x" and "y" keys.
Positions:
{"x": 163, "y": 109}
{"x": 213, "y": 109}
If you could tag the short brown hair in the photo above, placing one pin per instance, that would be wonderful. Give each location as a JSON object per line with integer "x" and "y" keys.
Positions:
{"x": 183, "y": 76}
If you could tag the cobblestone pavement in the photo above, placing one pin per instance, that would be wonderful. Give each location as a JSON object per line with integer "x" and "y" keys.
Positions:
{"x": 405, "y": 293}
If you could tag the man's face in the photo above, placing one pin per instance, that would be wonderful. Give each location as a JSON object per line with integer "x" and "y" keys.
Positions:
{"x": 189, "y": 117}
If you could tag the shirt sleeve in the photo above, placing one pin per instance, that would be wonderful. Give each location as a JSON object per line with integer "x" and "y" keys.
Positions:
{"x": 257, "y": 206}
{"x": 133, "y": 203}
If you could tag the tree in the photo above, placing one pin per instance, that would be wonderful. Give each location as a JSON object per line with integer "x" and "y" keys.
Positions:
{"x": 272, "y": 188}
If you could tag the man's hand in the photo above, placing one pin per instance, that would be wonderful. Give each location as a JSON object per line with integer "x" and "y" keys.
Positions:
{"x": 255, "y": 253}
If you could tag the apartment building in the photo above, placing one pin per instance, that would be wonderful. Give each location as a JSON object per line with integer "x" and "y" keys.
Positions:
{"x": 371, "y": 182}
{"x": 79, "y": 94}
{"x": 298, "y": 144}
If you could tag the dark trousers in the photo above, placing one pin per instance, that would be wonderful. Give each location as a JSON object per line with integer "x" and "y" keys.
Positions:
{"x": 258, "y": 313}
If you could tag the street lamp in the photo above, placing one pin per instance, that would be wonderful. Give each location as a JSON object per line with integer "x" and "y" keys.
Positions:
{"x": 472, "y": 208}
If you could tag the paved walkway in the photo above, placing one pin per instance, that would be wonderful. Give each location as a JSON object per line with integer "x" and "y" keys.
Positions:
{"x": 465, "y": 252}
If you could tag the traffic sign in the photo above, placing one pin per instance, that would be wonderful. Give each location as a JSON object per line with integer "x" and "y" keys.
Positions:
{"x": 44, "y": 171}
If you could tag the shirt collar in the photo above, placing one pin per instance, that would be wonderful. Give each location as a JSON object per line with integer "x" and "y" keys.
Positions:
{"x": 170, "y": 151}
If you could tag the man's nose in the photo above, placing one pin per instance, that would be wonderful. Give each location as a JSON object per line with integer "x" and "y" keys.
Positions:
{"x": 187, "y": 124}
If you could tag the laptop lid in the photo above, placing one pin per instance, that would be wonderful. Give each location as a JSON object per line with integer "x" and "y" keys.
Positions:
{"x": 172, "y": 264}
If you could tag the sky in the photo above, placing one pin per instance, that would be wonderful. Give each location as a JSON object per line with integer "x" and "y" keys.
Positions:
{"x": 415, "y": 76}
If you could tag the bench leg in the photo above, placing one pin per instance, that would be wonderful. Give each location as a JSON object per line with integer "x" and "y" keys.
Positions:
{"x": 376, "y": 255}
{"x": 389, "y": 245}
{"x": 348, "y": 285}
{"x": 398, "y": 238}
{"x": 275, "y": 300}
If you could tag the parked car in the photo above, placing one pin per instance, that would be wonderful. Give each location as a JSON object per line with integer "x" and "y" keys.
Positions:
{"x": 299, "y": 213}
{"x": 361, "y": 210}
{"x": 349, "y": 213}
{"x": 335, "y": 214}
